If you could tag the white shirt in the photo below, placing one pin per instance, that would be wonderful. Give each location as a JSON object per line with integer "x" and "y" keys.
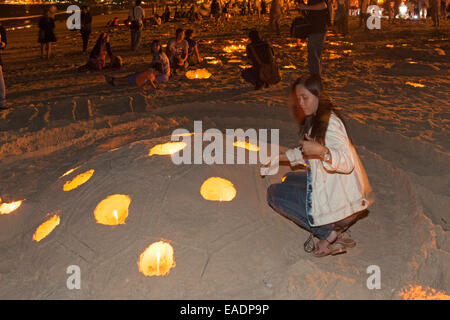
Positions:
{"x": 137, "y": 13}
{"x": 341, "y": 188}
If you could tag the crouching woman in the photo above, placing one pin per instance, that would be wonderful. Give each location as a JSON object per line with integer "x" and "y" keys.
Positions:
{"x": 326, "y": 197}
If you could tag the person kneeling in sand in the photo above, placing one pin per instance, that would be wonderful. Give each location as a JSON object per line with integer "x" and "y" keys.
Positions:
{"x": 139, "y": 79}
{"x": 329, "y": 195}
{"x": 97, "y": 58}
{"x": 177, "y": 51}
{"x": 160, "y": 56}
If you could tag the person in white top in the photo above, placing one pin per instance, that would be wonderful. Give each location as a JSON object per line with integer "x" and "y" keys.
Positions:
{"x": 136, "y": 17}
{"x": 326, "y": 197}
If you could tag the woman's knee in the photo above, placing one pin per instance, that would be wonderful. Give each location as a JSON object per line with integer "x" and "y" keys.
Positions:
{"x": 272, "y": 194}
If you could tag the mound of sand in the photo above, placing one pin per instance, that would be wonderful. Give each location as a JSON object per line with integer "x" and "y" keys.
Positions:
{"x": 237, "y": 249}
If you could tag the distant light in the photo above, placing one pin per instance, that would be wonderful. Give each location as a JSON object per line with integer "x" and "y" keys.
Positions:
{"x": 403, "y": 9}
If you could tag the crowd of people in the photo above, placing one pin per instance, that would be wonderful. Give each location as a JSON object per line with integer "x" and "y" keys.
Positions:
{"x": 332, "y": 191}
{"x": 182, "y": 51}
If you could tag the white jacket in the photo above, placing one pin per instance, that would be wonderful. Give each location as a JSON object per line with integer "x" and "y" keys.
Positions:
{"x": 341, "y": 188}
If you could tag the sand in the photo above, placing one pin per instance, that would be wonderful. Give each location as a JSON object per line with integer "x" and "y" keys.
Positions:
{"x": 63, "y": 119}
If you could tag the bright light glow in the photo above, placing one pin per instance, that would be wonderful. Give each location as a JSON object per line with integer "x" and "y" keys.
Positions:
{"x": 233, "y": 47}
{"x": 290, "y": 67}
{"x": 198, "y": 74}
{"x": 246, "y": 145}
{"x": 168, "y": 148}
{"x": 113, "y": 210}
{"x": 46, "y": 228}
{"x": 7, "y": 208}
{"x": 419, "y": 293}
{"x": 157, "y": 259}
{"x": 403, "y": 9}
{"x": 69, "y": 172}
{"x": 417, "y": 85}
{"x": 217, "y": 189}
{"x": 78, "y": 180}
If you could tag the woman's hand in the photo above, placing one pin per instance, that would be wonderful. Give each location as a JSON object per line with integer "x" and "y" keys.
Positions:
{"x": 311, "y": 148}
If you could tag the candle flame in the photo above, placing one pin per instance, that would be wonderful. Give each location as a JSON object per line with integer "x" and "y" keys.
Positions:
{"x": 116, "y": 216}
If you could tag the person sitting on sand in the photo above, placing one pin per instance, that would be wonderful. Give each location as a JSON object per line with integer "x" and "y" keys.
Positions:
{"x": 329, "y": 195}
{"x": 193, "y": 55}
{"x": 166, "y": 15}
{"x": 177, "y": 51}
{"x": 139, "y": 79}
{"x": 97, "y": 58}
{"x": 160, "y": 56}
{"x": 258, "y": 52}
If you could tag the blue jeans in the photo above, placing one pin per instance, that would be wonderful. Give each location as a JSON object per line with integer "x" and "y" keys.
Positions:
{"x": 2, "y": 88}
{"x": 135, "y": 38}
{"x": 289, "y": 199}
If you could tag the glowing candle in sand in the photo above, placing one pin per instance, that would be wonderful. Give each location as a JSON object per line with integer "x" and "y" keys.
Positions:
{"x": 158, "y": 256}
{"x": 198, "y": 74}
{"x": 7, "y": 208}
{"x": 78, "y": 180}
{"x": 416, "y": 85}
{"x": 246, "y": 145}
{"x": 46, "y": 228}
{"x": 168, "y": 148}
{"x": 113, "y": 210}
{"x": 217, "y": 189}
{"x": 157, "y": 259}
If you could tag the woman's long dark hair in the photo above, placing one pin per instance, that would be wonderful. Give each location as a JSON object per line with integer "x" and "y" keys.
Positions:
{"x": 319, "y": 121}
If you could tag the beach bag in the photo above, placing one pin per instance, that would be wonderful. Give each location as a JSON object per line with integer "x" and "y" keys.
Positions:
{"x": 300, "y": 28}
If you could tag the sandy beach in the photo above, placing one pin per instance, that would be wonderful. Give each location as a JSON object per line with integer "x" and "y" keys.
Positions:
{"x": 61, "y": 119}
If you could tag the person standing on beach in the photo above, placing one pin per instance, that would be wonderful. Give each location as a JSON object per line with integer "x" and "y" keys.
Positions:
{"x": 3, "y": 43}
{"x": 318, "y": 15}
{"x": 436, "y": 6}
{"x": 136, "y": 16}
{"x": 275, "y": 16}
{"x": 363, "y": 4}
{"x": 47, "y": 32}
{"x": 86, "y": 22}
{"x": 423, "y": 7}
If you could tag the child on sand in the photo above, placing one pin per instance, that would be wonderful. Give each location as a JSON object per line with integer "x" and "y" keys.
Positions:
{"x": 139, "y": 79}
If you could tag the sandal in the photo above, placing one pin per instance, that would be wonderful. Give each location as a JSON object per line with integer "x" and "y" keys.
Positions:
{"x": 345, "y": 241}
{"x": 332, "y": 250}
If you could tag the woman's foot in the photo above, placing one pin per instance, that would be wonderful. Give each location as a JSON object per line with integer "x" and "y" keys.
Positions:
{"x": 326, "y": 247}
